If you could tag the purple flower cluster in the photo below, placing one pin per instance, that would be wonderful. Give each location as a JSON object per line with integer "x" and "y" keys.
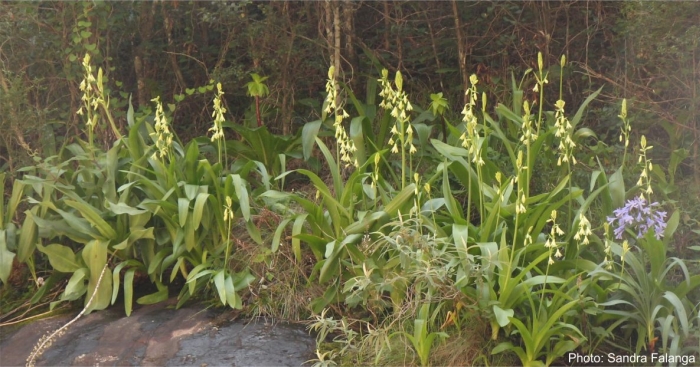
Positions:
{"x": 637, "y": 214}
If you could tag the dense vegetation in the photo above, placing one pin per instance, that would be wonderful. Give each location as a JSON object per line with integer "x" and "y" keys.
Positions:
{"x": 426, "y": 182}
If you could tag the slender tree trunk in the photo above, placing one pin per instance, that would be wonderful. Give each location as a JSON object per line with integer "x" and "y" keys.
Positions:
{"x": 336, "y": 39}
{"x": 349, "y": 33}
{"x": 399, "y": 31}
{"x": 387, "y": 25}
{"x": 168, "y": 24}
{"x": 146, "y": 12}
{"x": 435, "y": 53}
{"x": 461, "y": 48}
{"x": 328, "y": 13}
{"x": 287, "y": 85}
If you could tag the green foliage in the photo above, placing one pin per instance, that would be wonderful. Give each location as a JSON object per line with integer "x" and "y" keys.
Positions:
{"x": 155, "y": 214}
{"x": 421, "y": 340}
{"x": 645, "y": 300}
{"x": 256, "y": 87}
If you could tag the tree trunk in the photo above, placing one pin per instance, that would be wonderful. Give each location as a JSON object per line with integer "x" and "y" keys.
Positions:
{"x": 461, "y": 48}
{"x": 168, "y": 23}
{"x": 336, "y": 39}
{"x": 349, "y": 32}
{"x": 287, "y": 85}
{"x": 146, "y": 12}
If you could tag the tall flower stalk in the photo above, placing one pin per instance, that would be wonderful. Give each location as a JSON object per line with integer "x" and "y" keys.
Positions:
{"x": 625, "y": 129}
{"x": 471, "y": 140}
{"x": 163, "y": 136}
{"x": 94, "y": 97}
{"x": 218, "y": 127}
{"x": 541, "y": 80}
{"x": 552, "y": 246}
{"x": 90, "y": 100}
{"x": 228, "y": 218}
{"x": 564, "y": 132}
{"x": 647, "y": 167}
{"x": 396, "y": 101}
{"x": 334, "y": 105}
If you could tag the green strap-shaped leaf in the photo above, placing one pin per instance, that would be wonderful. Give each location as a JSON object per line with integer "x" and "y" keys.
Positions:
{"x": 129, "y": 290}
{"x": 159, "y": 296}
{"x": 199, "y": 204}
{"x": 242, "y": 194}
{"x": 27, "y": 236}
{"x": 502, "y": 316}
{"x": 219, "y": 279}
{"x": 61, "y": 257}
{"x": 183, "y": 209}
{"x": 91, "y": 214}
{"x": 95, "y": 257}
{"x": 231, "y": 296}
{"x": 276, "y": 238}
{"x": 296, "y": 229}
{"x": 6, "y": 258}
{"x": 76, "y": 285}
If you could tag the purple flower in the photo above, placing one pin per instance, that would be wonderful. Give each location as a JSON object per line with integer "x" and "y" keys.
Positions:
{"x": 637, "y": 214}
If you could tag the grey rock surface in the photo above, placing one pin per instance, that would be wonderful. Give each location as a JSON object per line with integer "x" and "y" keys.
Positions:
{"x": 159, "y": 335}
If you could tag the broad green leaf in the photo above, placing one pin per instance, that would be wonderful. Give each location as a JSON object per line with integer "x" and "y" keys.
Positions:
{"x": 130, "y": 115}
{"x": 330, "y": 265}
{"x": 157, "y": 260}
{"x": 159, "y": 296}
{"x": 254, "y": 232}
{"x": 671, "y": 226}
{"x": 129, "y": 290}
{"x": 502, "y": 316}
{"x": 9, "y": 211}
{"x": 358, "y": 138}
{"x": 199, "y": 208}
{"x": 76, "y": 285}
{"x": 95, "y": 257}
{"x": 191, "y": 191}
{"x": 231, "y": 297}
{"x": 91, "y": 214}
{"x": 121, "y": 208}
{"x": 679, "y": 310}
{"x": 502, "y": 347}
{"x": 177, "y": 267}
{"x": 296, "y": 229}
{"x": 116, "y": 279}
{"x": 6, "y": 258}
{"x": 400, "y": 200}
{"x": 27, "y": 237}
{"x": 617, "y": 189}
{"x": 333, "y": 167}
{"x": 308, "y": 137}
{"x": 276, "y": 238}
{"x": 183, "y": 208}
{"x": 242, "y": 194}
{"x": 220, "y": 287}
{"x": 79, "y": 224}
{"x": 460, "y": 235}
{"x": 61, "y": 257}
{"x": 196, "y": 273}
{"x": 579, "y": 113}
{"x": 136, "y": 234}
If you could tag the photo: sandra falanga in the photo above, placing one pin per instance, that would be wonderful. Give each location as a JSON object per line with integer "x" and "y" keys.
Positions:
{"x": 576, "y": 359}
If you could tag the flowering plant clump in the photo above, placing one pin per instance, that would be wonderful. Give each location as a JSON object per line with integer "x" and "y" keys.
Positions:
{"x": 164, "y": 137}
{"x": 640, "y": 215}
{"x": 346, "y": 146}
